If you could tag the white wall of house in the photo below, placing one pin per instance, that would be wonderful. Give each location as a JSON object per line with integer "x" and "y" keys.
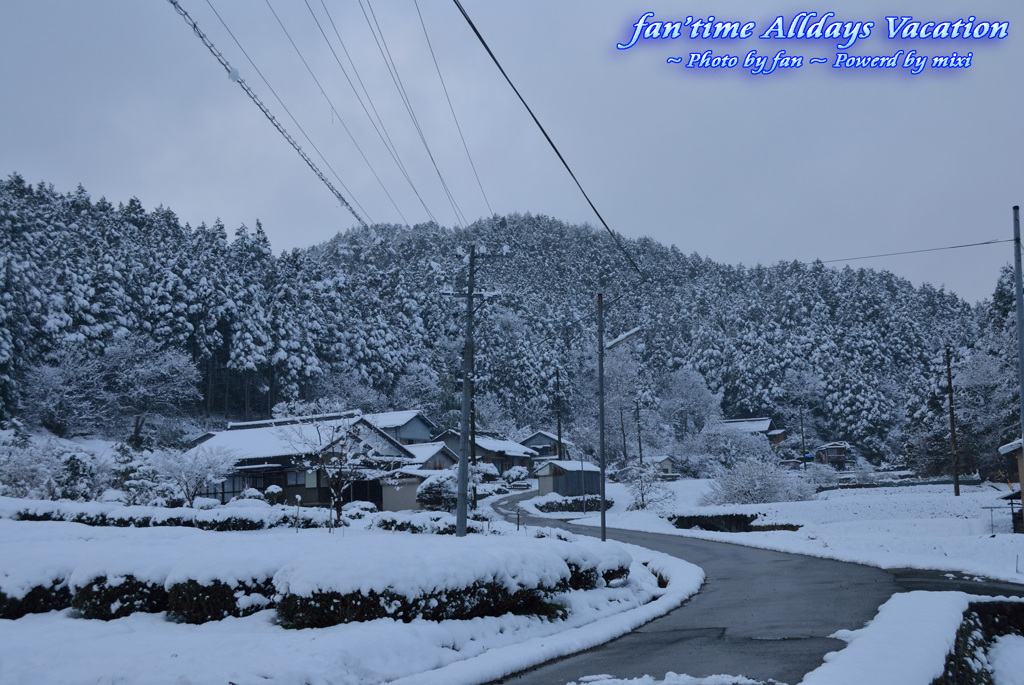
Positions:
{"x": 400, "y": 495}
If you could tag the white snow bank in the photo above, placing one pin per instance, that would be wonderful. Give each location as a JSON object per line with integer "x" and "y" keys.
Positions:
{"x": 922, "y": 527}
{"x": 49, "y": 648}
{"x": 1006, "y": 660}
{"x": 922, "y": 624}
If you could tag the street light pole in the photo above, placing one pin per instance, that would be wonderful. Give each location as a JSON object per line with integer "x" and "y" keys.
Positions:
{"x": 600, "y": 401}
{"x": 601, "y": 348}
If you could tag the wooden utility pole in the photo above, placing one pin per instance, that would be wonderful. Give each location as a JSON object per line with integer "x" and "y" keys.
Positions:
{"x": 1020, "y": 341}
{"x": 467, "y": 399}
{"x": 952, "y": 425}
{"x": 639, "y": 440}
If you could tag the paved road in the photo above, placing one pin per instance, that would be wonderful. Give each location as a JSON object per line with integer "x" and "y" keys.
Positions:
{"x": 762, "y": 614}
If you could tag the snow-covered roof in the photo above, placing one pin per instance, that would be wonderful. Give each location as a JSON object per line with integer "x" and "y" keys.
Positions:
{"x": 844, "y": 445}
{"x": 394, "y": 419}
{"x": 276, "y": 441}
{"x": 289, "y": 420}
{"x": 777, "y": 431}
{"x": 423, "y": 451}
{"x": 761, "y": 425}
{"x": 659, "y": 460}
{"x": 567, "y": 465}
{"x": 512, "y": 449}
{"x": 411, "y": 472}
{"x": 552, "y": 436}
{"x": 1010, "y": 447}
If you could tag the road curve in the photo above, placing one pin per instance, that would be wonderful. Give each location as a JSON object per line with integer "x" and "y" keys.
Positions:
{"x": 761, "y": 614}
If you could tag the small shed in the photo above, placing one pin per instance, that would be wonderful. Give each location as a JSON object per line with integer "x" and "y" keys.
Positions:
{"x": 569, "y": 478}
{"x": 666, "y": 465}
{"x": 835, "y": 454}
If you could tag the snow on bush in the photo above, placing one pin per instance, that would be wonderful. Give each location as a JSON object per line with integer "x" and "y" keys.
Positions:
{"x": 50, "y": 469}
{"x": 199, "y": 576}
{"x": 439, "y": 493}
{"x": 757, "y": 482}
{"x": 516, "y": 473}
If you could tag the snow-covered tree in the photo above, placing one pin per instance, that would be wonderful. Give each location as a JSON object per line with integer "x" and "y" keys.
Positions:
{"x": 753, "y": 481}
{"x": 192, "y": 471}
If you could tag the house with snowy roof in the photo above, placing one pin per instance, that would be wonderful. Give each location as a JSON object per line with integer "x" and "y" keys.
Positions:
{"x": 835, "y": 454}
{"x": 407, "y": 427}
{"x": 273, "y": 452}
{"x": 503, "y": 454}
{"x": 762, "y": 425}
{"x": 569, "y": 478}
{"x": 547, "y": 445}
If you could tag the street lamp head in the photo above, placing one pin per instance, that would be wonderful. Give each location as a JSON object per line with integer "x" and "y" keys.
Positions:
{"x": 622, "y": 338}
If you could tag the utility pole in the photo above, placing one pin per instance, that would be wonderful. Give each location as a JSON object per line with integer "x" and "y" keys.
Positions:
{"x": 952, "y": 426}
{"x": 639, "y": 440}
{"x": 558, "y": 411}
{"x": 1020, "y": 340}
{"x": 600, "y": 400}
{"x": 467, "y": 399}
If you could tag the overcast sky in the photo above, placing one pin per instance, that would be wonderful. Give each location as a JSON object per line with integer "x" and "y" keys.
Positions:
{"x": 804, "y": 163}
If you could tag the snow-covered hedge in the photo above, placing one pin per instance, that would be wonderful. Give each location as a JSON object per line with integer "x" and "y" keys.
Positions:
{"x": 314, "y": 578}
{"x": 553, "y": 502}
{"x": 234, "y": 516}
{"x": 433, "y": 522}
{"x": 491, "y": 577}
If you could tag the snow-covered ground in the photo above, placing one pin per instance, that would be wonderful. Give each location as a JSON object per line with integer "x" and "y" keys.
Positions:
{"x": 58, "y": 647}
{"x": 923, "y": 526}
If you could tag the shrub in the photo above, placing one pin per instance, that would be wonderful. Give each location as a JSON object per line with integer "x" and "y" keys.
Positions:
{"x": 118, "y": 597}
{"x": 323, "y": 609}
{"x": 756, "y": 482}
{"x": 439, "y": 493}
{"x": 574, "y": 504}
{"x": 516, "y": 473}
{"x": 193, "y": 602}
{"x": 38, "y": 600}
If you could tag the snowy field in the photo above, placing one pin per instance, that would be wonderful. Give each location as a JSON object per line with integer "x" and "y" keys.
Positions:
{"x": 58, "y": 647}
{"x": 923, "y": 527}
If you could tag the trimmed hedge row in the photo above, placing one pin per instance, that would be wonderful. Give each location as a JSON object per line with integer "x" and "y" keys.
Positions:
{"x": 106, "y": 599}
{"x": 38, "y": 600}
{"x": 436, "y": 524}
{"x": 323, "y": 609}
{"x": 574, "y": 504}
{"x": 225, "y": 524}
{"x": 983, "y": 623}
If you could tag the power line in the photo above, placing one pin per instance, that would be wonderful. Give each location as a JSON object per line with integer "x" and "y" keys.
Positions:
{"x": 329, "y": 102}
{"x": 452, "y": 108}
{"x": 613, "y": 234}
{"x": 378, "y": 123}
{"x": 930, "y": 249}
{"x": 233, "y": 75}
{"x": 285, "y": 108}
{"x": 382, "y": 45}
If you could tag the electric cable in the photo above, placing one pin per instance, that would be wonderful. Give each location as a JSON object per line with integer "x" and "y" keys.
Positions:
{"x": 452, "y": 108}
{"x": 233, "y": 75}
{"x": 393, "y": 69}
{"x": 378, "y": 123}
{"x": 333, "y": 108}
{"x": 285, "y": 108}
{"x": 613, "y": 234}
{"x": 929, "y": 249}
